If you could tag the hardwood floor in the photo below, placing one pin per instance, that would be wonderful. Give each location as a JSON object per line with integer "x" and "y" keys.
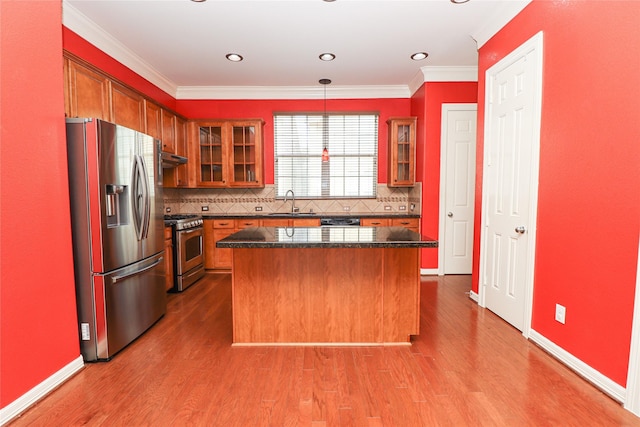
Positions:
{"x": 467, "y": 368}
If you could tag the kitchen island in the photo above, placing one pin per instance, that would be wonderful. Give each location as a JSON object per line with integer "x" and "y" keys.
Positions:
{"x": 325, "y": 285}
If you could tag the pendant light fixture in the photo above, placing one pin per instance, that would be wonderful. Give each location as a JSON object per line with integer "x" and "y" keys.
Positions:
{"x": 325, "y": 123}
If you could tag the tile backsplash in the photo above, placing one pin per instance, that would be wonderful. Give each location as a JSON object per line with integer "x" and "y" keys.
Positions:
{"x": 261, "y": 201}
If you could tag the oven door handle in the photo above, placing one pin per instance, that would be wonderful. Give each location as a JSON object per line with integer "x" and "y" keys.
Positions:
{"x": 115, "y": 279}
{"x": 193, "y": 230}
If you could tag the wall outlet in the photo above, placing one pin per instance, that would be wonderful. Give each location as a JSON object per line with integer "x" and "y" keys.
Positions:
{"x": 258, "y": 208}
{"x": 387, "y": 208}
{"x": 412, "y": 206}
{"x": 346, "y": 208}
{"x": 167, "y": 210}
{"x": 561, "y": 312}
{"x": 402, "y": 207}
{"x": 205, "y": 208}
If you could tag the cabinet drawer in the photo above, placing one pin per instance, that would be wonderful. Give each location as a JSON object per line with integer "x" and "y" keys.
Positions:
{"x": 275, "y": 222}
{"x": 224, "y": 223}
{"x": 245, "y": 223}
{"x": 305, "y": 222}
{"x": 406, "y": 222}
{"x": 374, "y": 222}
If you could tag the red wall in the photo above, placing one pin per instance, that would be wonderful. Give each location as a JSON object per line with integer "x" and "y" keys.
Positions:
{"x": 589, "y": 198}
{"x": 432, "y": 96}
{"x": 37, "y": 300}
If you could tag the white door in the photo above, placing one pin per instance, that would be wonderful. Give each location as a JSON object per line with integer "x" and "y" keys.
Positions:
{"x": 510, "y": 183}
{"x": 458, "y": 172}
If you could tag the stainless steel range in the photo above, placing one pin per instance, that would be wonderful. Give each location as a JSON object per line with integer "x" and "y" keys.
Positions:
{"x": 188, "y": 254}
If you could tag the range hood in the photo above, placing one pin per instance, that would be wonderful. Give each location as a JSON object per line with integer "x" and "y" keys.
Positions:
{"x": 170, "y": 160}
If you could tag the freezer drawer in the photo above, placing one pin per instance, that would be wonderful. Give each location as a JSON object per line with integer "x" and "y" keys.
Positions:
{"x": 124, "y": 304}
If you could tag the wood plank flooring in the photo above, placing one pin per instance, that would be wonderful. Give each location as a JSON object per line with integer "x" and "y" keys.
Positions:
{"x": 467, "y": 368}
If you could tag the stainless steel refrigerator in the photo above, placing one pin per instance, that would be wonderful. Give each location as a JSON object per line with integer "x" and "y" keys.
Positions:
{"x": 115, "y": 182}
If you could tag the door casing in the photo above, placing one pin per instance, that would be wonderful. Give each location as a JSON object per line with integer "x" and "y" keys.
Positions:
{"x": 446, "y": 108}
{"x": 535, "y": 45}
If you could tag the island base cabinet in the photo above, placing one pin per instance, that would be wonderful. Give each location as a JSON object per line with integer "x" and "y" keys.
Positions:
{"x": 318, "y": 296}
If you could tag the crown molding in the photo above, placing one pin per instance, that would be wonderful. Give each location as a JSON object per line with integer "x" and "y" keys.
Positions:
{"x": 291, "y": 92}
{"x": 416, "y": 82}
{"x": 467, "y": 73}
{"x": 77, "y": 22}
{"x": 505, "y": 13}
{"x": 443, "y": 74}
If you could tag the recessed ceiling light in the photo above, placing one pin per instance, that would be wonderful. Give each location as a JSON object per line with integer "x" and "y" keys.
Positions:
{"x": 418, "y": 56}
{"x": 198, "y": 1}
{"x": 234, "y": 57}
{"x": 327, "y": 56}
{"x": 459, "y": 1}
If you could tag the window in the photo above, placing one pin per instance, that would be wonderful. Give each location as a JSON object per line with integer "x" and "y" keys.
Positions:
{"x": 352, "y": 141}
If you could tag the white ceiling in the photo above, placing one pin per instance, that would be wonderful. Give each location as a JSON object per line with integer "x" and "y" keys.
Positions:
{"x": 180, "y": 45}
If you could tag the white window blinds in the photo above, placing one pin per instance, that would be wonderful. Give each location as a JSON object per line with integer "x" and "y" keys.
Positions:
{"x": 352, "y": 142}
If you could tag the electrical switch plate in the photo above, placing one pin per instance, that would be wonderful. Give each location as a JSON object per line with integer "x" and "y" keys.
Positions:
{"x": 402, "y": 207}
{"x": 84, "y": 328}
{"x": 387, "y": 208}
{"x": 258, "y": 208}
{"x": 205, "y": 208}
{"x": 561, "y": 312}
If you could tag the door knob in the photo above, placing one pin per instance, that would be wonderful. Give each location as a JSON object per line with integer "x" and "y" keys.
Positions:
{"x": 450, "y": 214}
{"x": 520, "y": 229}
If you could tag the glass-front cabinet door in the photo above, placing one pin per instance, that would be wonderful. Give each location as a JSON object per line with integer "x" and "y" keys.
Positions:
{"x": 230, "y": 154}
{"x": 246, "y": 143}
{"x": 402, "y": 152}
{"x": 211, "y": 152}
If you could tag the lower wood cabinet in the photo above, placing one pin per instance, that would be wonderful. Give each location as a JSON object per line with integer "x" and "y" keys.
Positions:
{"x": 216, "y": 229}
{"x": 412, "y": 224}
{"x": 290, "y": 222}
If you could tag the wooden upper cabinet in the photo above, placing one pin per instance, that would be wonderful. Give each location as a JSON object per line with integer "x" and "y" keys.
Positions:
{"x": 185, "y": 176}
{"x": 168, "y": 131}
{"x": 211, "y": 156}
{"x": 127, "y": 107}
{"x": 180, "y": 176}
{"x": 229, "y": 154}
{"x": 246, "y": 154}
{"x": 153, "y": 119}
{"x": 86, "y": 92}
{"x": 402, "y": 152}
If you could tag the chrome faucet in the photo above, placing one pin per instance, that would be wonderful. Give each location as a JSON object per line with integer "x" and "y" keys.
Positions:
{"x": 293, "y": 200}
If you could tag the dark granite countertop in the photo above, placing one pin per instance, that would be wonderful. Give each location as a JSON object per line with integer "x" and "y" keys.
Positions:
{"x": 326, "y": 237}
{"x": 309, "y": 215}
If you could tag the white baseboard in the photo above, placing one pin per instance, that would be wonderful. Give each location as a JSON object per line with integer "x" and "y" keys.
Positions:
{"x": 428, "y": 271}
{"x": 473, "y": 296}
{"x": 613, "y": 389}
{"x": 22, "y": 403}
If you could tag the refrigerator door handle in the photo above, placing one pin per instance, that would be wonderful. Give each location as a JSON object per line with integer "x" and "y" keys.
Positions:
{"x": 140, "y": 194}
{"x": 147, "y": 199}
{"x": 116, "y": 279}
